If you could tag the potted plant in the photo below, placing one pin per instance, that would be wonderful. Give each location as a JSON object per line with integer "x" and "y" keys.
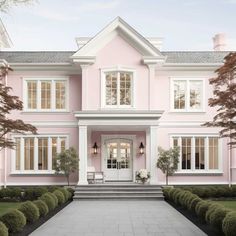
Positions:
{"x": 143, "y": 175}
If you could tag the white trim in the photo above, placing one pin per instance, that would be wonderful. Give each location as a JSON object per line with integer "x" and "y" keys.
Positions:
{"x": 70, "y": 124}
{"x": 187, "y": 79}
{"x": 53, "y": 80}
{"x": 117, "y": 69}
{"x": 37, "y": 183}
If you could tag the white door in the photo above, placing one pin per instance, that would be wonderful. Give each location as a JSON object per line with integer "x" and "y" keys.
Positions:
{"x": 118, "y": 160}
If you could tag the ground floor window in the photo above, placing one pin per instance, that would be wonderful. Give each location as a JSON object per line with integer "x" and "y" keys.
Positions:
{"x": 198, "y": 152}
{"x": 37, "y": 153}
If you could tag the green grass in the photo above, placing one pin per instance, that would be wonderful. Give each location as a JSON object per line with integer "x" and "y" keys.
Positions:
{"x": 6, "y": 206}
{"x": 228, "y": 204}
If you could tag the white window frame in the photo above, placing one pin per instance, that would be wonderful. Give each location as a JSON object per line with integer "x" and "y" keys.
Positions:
{"x": 117, "y": 69}
{"x": 193, "y": 170}
{"x": 53, "y": 93}
{"x": 187, "y": 100}
{"x": 36, "y": 170}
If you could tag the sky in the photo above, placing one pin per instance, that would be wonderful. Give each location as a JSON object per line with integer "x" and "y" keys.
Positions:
{"x": 183, "y": 24}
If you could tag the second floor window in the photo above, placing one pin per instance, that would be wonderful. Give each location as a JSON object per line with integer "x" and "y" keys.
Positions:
{"x": 187, "y": 95}
{"x": 46, "y": 94}
{"x": 118, "y": 89}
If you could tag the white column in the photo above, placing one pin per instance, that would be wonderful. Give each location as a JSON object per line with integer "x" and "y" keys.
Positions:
{"x": 153, "y": 154}
{"x": 83, "y": 154}
{"x": 147, "y": 152}
{"x": 84, "y": 86}
{"x": 151, "y": 87}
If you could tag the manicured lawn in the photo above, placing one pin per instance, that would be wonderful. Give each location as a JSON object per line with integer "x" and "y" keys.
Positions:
{"x": 6, "y": 206}
{"x": 228, "y": 204}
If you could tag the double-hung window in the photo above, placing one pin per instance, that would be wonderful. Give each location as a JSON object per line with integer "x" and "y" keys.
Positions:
{"x": 117, "y": 89}
{"x": 45, "y": 94}
{"x": 187, "y": 94}
{"x": 198, "y": 153}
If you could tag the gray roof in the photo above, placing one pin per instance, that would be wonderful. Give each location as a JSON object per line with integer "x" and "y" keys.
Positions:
{"x": 64, "y": 56}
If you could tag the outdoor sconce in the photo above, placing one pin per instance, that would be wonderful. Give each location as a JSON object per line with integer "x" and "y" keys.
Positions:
{"x": 141, "y": 148}
{"x": 95, "y": 148}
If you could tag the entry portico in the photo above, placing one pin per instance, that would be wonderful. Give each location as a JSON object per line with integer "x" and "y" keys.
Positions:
{"x": 117, "y": 132}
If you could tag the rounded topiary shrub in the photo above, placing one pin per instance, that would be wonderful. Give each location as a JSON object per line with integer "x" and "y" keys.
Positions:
{"x": 229, "y": 226}
{"x": 65, "y": 193}
{"x": 217, "y": 217}
{"x": 3, "y": 229}
{"x": 14, "y": 220}
{"x": 60, "y": 196}
{"x": 193, "y": 203}
{"x": 49, "y": 200}
{"x": 54, "y": 198}
{"x": 42, "y": 206}
{"x": 210, "y": 210}
{"x": 34, "y": 193}
{"x": 165, "y": 191}
{"x": 30, "y": 210}
{"x": 201, "y": 209}
{"x": 72, "y": 191}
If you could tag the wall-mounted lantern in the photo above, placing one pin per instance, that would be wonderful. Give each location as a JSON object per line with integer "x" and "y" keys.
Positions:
{"x": 141, "y": 148}
{"x": 95, "y": 148}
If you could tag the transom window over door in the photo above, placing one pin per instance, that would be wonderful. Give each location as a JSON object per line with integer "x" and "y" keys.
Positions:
{"x": 118, "y": 89}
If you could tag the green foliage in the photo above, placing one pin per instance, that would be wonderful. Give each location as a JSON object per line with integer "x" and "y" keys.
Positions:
{"x": 42, "y": 206}
{"x": 201, "y": 209}
{"x": 52, "y": 188}
{"x": 34, "y": 193}
{"x": 54, "y": 198}
{"x": 217, "y": 217}
{"x": 229, "y": 225}
{"x": 3, "y": 229}
{"x": 71, "y": 190}
{"x": 14, "y": 220}
{"x": 193, "y": 203}
{"x": 60, "y": 196}
{"x": 166, "y": 191}
{"x": 65, "y": 193}
{"x": 10, "y": 193}
{"x": 168, "y": 161}
{"x": 67, "y": 163}
{"x": 210, "y": 210}
{"x": 49, "y": 200}
{"x": 30, "y": 210}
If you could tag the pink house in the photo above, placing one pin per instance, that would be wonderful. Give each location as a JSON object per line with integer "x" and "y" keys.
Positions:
{"x": 120, "y": 92}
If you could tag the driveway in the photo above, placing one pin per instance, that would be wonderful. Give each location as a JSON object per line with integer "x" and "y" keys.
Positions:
{"x": 118, "y": 218}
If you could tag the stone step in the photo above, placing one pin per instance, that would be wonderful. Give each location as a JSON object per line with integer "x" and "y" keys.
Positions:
{"x": 118, "y": 189}
{"x": 123, "y": 197}
{"x": 116, "y": 193}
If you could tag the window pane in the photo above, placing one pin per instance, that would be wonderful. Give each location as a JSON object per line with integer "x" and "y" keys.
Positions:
{"x": 43, "y": 153}
{"x": 125, "y": 88}
{"x": 63, "y": 144}
{"x": 46, "y": 94}
{"x": 199, "y": 153}
{"x": 213, "y": 153}
{"x": 186, "y": 153}
{"x": 175, "y": 142}
{"x": 195, "y": 94}
{"x": 54, "y": 152}
{"x": 111, "y": 89}
{"x": 18, "y": 150}
{"x": 29, "y": 153}
{"x": 179, "y": 94}
{"x": 60, "y": 95}
{"x": 32, "y": 94}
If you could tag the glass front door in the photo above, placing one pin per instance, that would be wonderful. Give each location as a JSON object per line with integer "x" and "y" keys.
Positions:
{"x": 118, "y": 160}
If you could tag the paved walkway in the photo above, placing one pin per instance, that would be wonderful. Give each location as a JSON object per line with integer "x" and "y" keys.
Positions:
{"x": 118, "y": 218}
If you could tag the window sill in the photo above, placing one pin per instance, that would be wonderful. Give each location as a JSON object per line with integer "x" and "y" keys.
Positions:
{"x": 186, "y": 111}
{"x": 44, "y": 172}
{"x": 203, "y": 173}
{"x": 45, "y": 112}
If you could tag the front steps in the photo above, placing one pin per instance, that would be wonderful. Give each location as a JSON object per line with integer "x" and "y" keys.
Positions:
{"x": 118, "y": 192}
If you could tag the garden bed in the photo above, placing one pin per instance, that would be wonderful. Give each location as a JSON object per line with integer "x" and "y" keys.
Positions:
{"x": 29, "y": 228}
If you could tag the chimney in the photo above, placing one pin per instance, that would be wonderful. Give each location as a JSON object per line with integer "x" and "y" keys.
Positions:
{"x": 219, "y": 42}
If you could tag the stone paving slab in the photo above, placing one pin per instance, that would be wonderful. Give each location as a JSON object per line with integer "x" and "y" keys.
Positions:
{"x": 118, "y": 218}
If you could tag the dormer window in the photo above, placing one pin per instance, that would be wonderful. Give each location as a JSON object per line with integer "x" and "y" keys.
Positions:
{"x": 117, "y": 89}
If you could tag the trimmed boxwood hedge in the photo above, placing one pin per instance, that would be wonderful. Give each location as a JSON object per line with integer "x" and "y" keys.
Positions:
{"x": 210, "y": 210}
{"x": 30, "y": 210}
{"x": 65, "y": 193}
{"x": 42, "y": 206}
{"x": 229, "y": 226}
{"x": 14, "y": 220}
{"x": 49, "y": 200}
{"x": 34, "y": 193}
{"x": 3, "y": 229}
{"x": 54, "y": 198}
{"x": 60, "y": 196}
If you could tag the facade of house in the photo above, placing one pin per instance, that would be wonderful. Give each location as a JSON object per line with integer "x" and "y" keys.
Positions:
{"x": 118, "y": 91}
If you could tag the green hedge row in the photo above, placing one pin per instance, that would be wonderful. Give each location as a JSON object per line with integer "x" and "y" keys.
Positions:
{"x": 24, "y": 194}
{"x": 29, "y": 212}
{"x": 222, "y": 219}
{"x": 212, "y": 191}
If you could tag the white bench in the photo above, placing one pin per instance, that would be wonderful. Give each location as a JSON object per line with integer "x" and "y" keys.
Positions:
{"x": 94, "y": 176}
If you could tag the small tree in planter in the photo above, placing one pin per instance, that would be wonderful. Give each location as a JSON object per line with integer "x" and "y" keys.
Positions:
{"x": 168, "y": 161}
{"x": 66, "y": 163}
